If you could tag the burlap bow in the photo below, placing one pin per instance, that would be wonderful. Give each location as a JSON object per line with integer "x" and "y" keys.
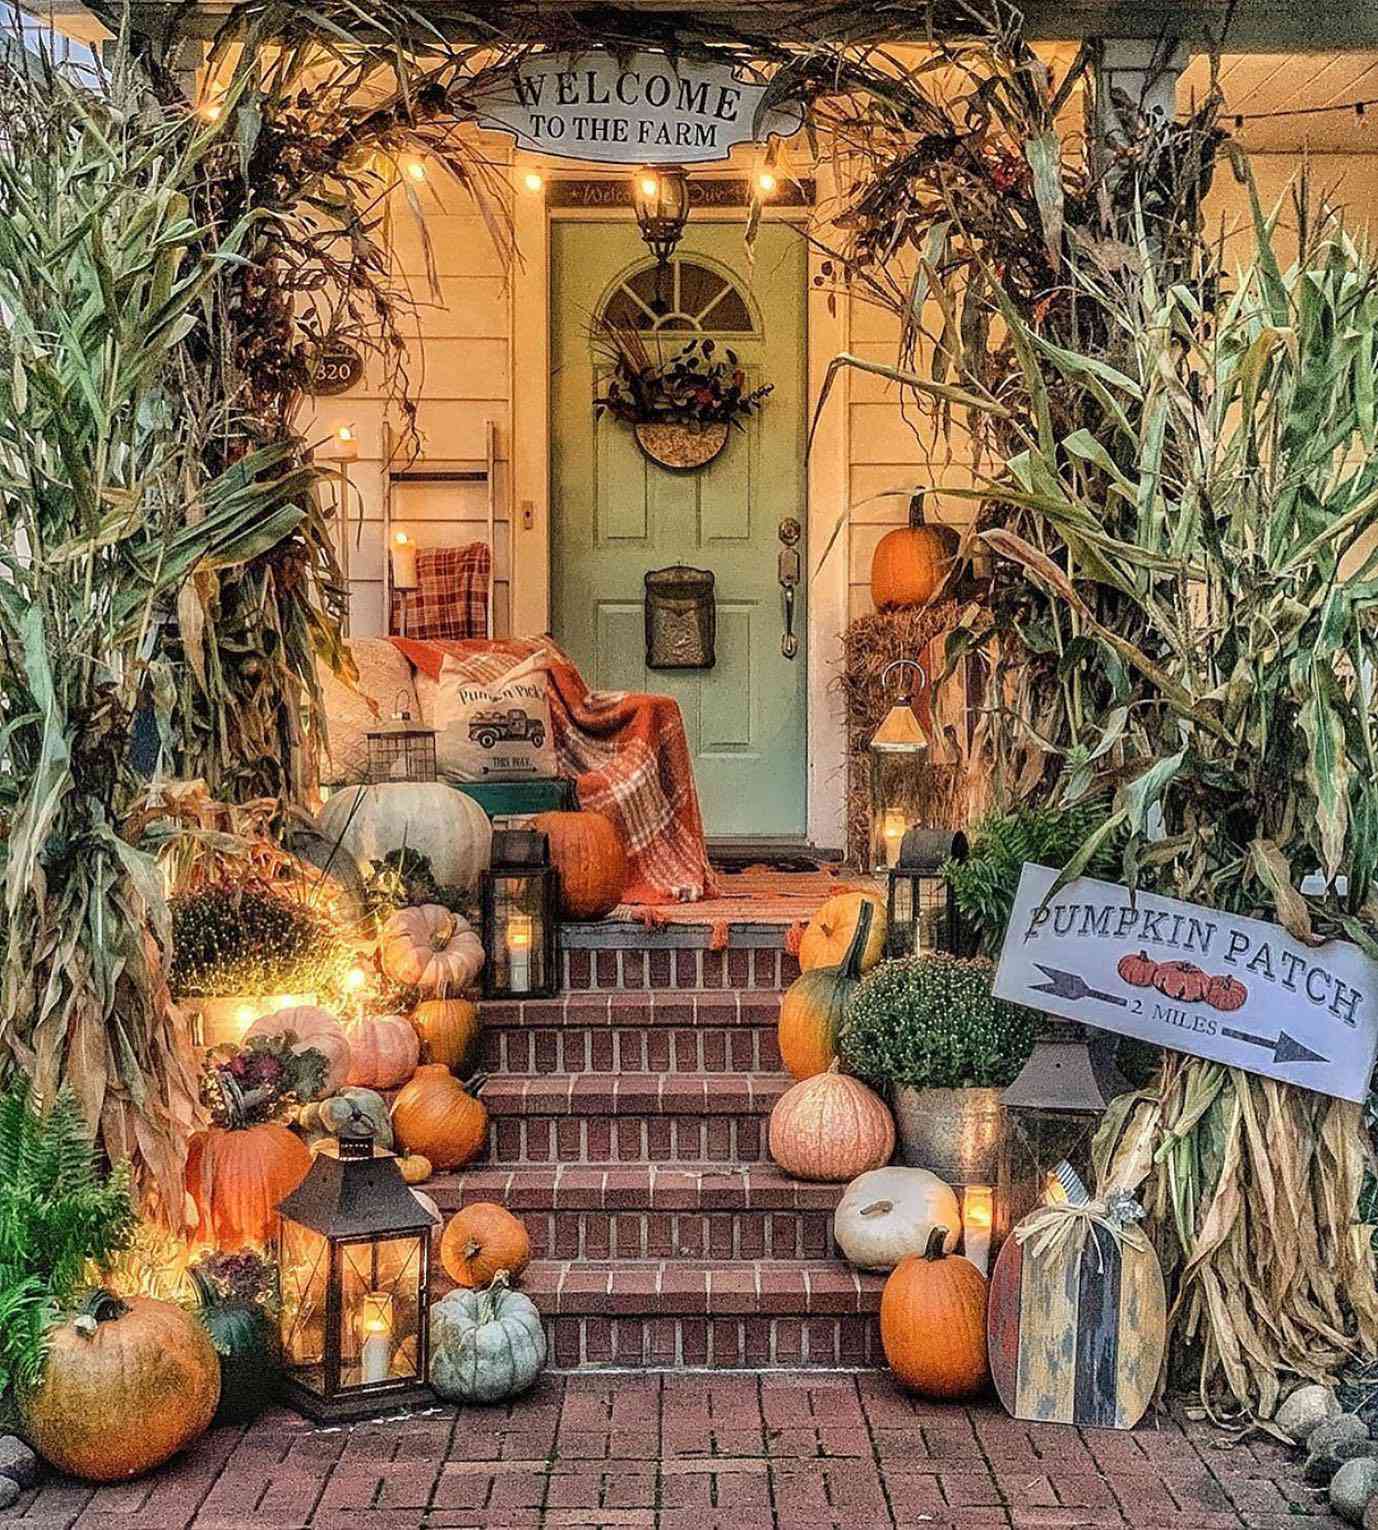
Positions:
{"x": 1047, "y": 1230}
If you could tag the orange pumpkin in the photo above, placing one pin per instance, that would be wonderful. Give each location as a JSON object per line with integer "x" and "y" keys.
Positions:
{"x": 431, "y": 949}
{"x": 831, "y": 1128}
{"x": 236, "y": 1175}
{"x": 440, "y": 1118}
{"x": 1138, "y": 971}
{"x": 910, "y": 563}
{"x": 830, "y": 932}
{"x": 1184, "y": 981}
{"x": 1225, "y": 993}
{"x": 482, "y": 1241}
{"x": 449, "y": 1028}
{"x": 384, "y": 1051}
{"x": 933, "y": 1323}
{"x": 315, "y": 1028}
{"x": 586, "y": 850}
{"x": 814, "y": 1006}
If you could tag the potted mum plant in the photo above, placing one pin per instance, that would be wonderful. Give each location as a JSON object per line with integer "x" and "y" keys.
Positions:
{"x": 680, "y": 406}
{"x": 929, "y": 1030}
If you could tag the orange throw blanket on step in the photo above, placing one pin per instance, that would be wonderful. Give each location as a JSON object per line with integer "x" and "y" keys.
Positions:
{"x": 628, "y": 757}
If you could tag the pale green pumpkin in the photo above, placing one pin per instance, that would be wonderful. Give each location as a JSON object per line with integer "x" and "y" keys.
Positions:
{"x": 485, "y": 1345}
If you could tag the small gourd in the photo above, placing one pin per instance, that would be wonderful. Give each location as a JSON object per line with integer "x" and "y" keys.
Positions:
{"x": 486, "y": 1346}
{"x": 355, "y": 1111}
{"x": 816, "y": 1003}
{"x": 432, "y": 949}
{"x": 415, "y": 1168}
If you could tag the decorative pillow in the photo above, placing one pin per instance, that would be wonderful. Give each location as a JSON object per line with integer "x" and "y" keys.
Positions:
{"x": 451, "y": 597}
{"x": 385, "y": 683}
{"x": 493, "y": 730}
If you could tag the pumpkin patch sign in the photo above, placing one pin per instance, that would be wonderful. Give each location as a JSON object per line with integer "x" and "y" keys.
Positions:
{"x": 1240, "y": 991}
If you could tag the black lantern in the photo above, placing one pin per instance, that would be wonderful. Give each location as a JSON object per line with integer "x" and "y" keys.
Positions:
{"x": 921, "y": 908}
{"x": 521, "y": 900}
{"x": 402, "y": 749}
{"x": 660, "y": 196}
{"x": 1052, "y": 1111}
{"x": 354, "y": 1262}
{"x": 899, "y": 752}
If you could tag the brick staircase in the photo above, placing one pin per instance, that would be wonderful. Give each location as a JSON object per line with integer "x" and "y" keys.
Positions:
{"x": 629, "y": 1133}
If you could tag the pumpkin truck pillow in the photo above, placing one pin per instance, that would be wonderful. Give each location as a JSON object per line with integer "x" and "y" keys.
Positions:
{"x": 493, "y": 730}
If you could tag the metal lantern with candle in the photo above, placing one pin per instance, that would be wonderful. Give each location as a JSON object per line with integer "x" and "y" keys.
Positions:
{"x": 660, "y": 198}
{"x": 520, "y": 901}
{"x": 920, "y": 904}
{"x": 354, "y": 1259}
{"x": 402, "y": 749}
{"x": 1052, "y": 1111}
{"x": 899, "y": 752}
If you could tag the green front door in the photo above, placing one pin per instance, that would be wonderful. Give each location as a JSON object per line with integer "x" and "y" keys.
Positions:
{"x": 616, "y": 515}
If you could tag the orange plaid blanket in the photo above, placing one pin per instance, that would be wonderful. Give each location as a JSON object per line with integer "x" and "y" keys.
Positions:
{"x": 627, "y": 754}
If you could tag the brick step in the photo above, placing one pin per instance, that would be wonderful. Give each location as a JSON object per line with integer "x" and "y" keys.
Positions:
{"x": 649, "y": 1211}
{"x": 610, "y": 957}
{"x": 647, "y": 1032}
{"x": 684, "y": 1313}
{"x": 631, "y": 1117}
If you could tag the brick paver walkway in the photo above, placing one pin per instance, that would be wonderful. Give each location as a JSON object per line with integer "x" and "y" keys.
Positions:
{"x": 803, "y": 1451}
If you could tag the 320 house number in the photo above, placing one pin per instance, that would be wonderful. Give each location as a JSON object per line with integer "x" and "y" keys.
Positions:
{"x": 336, "y": 370}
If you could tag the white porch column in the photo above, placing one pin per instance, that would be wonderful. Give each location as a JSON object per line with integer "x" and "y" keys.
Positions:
{"x": 1137, "y": 76}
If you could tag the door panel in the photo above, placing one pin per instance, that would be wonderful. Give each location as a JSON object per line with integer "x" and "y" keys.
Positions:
{"x": 616, "y": 515}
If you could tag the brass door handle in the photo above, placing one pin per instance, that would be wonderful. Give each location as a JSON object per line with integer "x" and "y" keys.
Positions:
{"x": 789, "y": 570}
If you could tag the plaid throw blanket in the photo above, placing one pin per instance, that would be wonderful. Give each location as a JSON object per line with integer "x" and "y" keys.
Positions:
{"x": 628, "y": 757}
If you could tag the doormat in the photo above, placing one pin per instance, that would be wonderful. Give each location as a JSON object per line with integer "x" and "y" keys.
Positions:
{"x": 755, "y": 895}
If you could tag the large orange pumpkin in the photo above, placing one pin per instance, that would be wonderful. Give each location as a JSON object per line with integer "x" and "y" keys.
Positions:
{"x": 127, "y": 1384}
{"x": 315, "y": 1028}
{"x": 587, "y": 851}
{"x": 384, "y": 1051}
{"x": 440, "y": 1118}
{"x": 236, "y": 1175}
{"x": 829, "y": 932}
{"x": 910, "y": 563}
{"x": 814, "y": 1006}
{"x": 831, "y": 1128}
{"x": 933, "y": 1323}
{"x": 449, "y": 1028}
{"x": 482, "y": 1241}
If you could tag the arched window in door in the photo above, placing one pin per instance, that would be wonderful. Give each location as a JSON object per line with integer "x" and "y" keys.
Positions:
{"x": 697, "y": 299}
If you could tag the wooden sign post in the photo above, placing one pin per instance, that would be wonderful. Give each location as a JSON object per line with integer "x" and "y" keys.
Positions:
{"x": 1239, "y": 991}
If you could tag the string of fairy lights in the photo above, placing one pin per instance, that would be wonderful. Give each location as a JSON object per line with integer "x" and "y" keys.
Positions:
{"x": 1360, "y": 109}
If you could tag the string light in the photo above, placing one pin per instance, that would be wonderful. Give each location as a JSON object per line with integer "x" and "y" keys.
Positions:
{"x": 210, "y": 111}
{"x": 1359, "y": 108}
{"x": 532, "y": 181}
{"x": 766, "y": 181}
{"x": 415, "y": 169}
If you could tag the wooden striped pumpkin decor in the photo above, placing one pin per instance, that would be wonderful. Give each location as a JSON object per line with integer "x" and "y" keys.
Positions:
{"x": 1076, "y": 1321}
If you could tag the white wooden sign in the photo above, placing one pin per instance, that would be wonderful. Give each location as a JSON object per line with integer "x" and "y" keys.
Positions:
{"x": 646, "y": 110}
{"x": 1239, "y": 991}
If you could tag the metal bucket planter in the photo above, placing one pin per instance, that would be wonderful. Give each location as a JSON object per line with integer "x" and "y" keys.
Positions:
{"x": 953, "y": 1133}
{"x": 682, "y": 448}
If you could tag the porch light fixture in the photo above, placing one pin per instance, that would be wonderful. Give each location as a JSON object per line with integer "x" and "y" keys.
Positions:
{"x": 520, "y": 897}
{"x": 921, "y": 907}
{"x": 898, "y": 750}
{"x": 660, "y": 197}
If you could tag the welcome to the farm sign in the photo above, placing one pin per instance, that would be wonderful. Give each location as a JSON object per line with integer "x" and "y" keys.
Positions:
{"x": 1240, "y": 991}
{"x": 644, "y": 110}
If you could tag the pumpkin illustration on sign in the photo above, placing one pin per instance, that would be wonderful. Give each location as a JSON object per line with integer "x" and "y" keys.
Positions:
{"x": 1180, "y": 980}
{"x": 1137, "y": 970}
{"x": 1225, "y": 993}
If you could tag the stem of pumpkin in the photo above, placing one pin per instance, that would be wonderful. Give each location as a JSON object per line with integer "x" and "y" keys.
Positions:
{"x": 937, "y": 1242}
{"x": 496, "y": 1287}
{"x": 101, "y": 1306}
{"x": 876, "y": 1209}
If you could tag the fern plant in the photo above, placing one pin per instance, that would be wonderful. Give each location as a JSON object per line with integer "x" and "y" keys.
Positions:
{"x": 57, "y": 1211}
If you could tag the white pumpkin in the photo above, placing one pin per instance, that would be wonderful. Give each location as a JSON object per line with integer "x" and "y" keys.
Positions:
{"x": 451, "y": 830}
{"x": 888, "y": 1213}
{"x": 432, "y": 949}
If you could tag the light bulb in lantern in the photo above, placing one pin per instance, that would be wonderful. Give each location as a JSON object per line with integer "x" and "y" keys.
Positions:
{"x": 404, "y": 573}
{"x": 649, "y": 185}
{"x": 533, "y": 181}
{"x": 521, "y": 932}
{"x": 893, "y": 828}
{"x": 1054, "y": 1192}
{"x": 375, "y": 1332}
{"x": 978, "y": 1213}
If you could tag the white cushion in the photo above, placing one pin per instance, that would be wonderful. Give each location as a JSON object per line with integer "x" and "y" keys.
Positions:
{"x": 493, "y": 730}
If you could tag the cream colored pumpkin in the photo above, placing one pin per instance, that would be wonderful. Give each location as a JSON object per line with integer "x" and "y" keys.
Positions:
{"x": 888, "y": 1213}
{"x": 431, "y": 949}
{"x": 830, "y": 931}
{"x": 312, "y": 1027}
{"x": 451, "y": 830}
{"x": 384, "y": 1051}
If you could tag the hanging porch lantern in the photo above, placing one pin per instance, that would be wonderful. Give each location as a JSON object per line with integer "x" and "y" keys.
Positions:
{"x": 660, "y": 196}
{"x": 354, "y": 1259}
{"x": 899, "y": 751}
{"x": 921, "y": 906}
{"x": 520, "y": 898}
{"x": 402, "y": 749}
{"x": 1052, "y": 1111}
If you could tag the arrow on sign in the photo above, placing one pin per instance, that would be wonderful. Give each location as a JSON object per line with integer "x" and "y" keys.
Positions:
{"x": 1285, "y": 1048}
{"x": 1072, "y": 986}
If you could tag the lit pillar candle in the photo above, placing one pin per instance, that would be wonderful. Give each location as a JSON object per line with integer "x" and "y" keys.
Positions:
{"x": 892, "y": 830}
{"x": 375, "y": 1323}
{"x": 978, "y": 1212}
{"x": 403, "y": 562}
{"x": 520, "y": 932}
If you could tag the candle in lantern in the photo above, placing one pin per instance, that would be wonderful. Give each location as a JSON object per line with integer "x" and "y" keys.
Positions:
{"x": 892, "y": 831}
{"x": 404, "y": 575}
{"x": 978, "y": 1212}
{"x": 375, "y": 1326}
{"x": 520, "y": 933}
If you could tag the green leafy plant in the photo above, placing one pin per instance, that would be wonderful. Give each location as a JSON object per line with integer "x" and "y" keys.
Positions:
{"x": 57, "y": 1211}
{"x": 692, "y": 386}
{"x": 264, "y": 1080}
{"x": 404, "y": 879}
{"x": 932, "y": 1022}
{"x": 985, "y": 883}
{"x": 247, "y": 940}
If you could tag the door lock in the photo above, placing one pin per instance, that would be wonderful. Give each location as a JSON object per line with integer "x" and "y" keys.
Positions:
{"x": 789, "y": 570}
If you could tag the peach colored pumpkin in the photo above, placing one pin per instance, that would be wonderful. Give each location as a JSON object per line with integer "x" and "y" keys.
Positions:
{"x": 431, "y": 949}
{"x": 830, "y": 931}
{"x": 586, "y": 849}
{"x": 831, "y": 1128}
{"x": 313, "y": 1027}
{"x": 384, "y": 1051}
